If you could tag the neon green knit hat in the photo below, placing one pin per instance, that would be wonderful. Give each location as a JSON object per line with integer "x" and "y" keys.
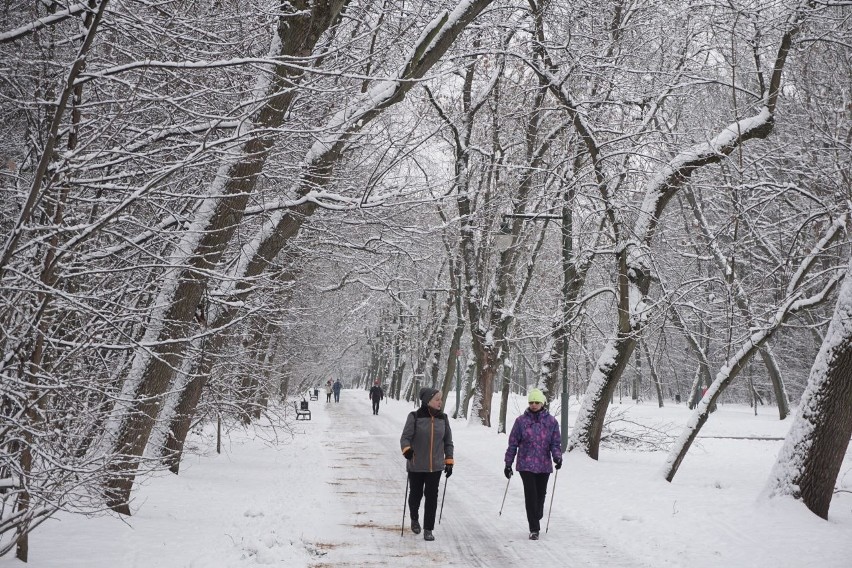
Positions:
{"x": 536, "y": 395}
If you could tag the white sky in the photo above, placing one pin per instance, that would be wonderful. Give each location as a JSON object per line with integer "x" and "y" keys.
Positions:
{"x": 332, "y": 495}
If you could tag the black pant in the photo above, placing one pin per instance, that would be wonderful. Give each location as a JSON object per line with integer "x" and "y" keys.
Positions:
{"x": 375, "y": 407}
{"x": 328, "y": 397}
{"x": 535, "y": 490}
{"x": 419, "y": 481}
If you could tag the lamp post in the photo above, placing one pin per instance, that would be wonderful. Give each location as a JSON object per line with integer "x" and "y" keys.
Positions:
{"x": 458, "y": 381}
{"x": 564, "y": 408}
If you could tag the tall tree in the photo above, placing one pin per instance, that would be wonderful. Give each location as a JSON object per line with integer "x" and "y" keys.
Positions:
{"x": 633, "y": 246}
{"x": 298, "y": 29}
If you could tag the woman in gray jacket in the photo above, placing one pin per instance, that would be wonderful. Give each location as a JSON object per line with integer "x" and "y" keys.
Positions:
{"x": 427, "y": 444}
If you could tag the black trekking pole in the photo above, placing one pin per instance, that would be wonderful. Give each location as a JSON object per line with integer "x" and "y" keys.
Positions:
{"x": 404, "y": 502}
{"x": 500, "y": 514}
{"x": 552, "y": 494}
{"x": 442, "y": 501}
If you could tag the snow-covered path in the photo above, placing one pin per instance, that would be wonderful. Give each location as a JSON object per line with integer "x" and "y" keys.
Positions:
{"x": 369, "y": 488}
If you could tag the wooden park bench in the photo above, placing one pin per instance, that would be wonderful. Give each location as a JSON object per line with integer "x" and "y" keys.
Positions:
{"x": 302, "y": 412}
{"x": 314, "y": 394}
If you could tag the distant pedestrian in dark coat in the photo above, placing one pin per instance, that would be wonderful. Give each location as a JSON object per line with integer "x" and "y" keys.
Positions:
{"x": 376, "y": 395}
{"x": 336, "y": 388}
{"x": 427, "y": 444}
{"x": 535, "y": 438}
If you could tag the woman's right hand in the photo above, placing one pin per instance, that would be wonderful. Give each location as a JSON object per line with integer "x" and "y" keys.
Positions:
{"x": 507, "y": 471}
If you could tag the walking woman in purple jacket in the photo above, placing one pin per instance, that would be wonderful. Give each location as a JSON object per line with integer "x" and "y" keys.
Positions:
{"x": 535, "y": 439}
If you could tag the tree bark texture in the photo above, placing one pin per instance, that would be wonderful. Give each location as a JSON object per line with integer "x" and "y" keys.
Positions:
{"x": 297, "y": 35}
{"x": 808, "y": 464}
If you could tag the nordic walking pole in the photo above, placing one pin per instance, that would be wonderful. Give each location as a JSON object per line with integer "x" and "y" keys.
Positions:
{"x": 552, "y": 494}
{"x": 404, "y": 502}
{"x": 504, "y": 497}
{"x": 442, "y": 501}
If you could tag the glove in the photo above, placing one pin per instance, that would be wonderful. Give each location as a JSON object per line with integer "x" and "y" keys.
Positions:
{"x": 409, "y": 453}
{"x": 558, "y": 463}
{"x": 507, "y": 471}
{"x": 448, "y": 469}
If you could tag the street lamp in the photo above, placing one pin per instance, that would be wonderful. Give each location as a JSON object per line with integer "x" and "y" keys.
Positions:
{"x": 503, "y": 239}
{"x": 422, "y": 303}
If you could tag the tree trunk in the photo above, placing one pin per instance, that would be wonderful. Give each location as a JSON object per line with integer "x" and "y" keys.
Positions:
{"x": 777, "y": 382}
{"x": 508, "y": 370}
{"x": 185, "y": 411}
{"x": 602, "y": 385}
{"x": 655, "y": 378}
{"x": 808, "y": 464}
{"x": 151, "y": 374}
{"x": 636, "y": 383}
{"x": 455, "y": 348}
{"x": 468, "y": 386}
{"x": 488, "y": 362}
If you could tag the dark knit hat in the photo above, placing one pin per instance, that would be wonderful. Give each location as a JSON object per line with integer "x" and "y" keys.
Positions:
{"x": 426, "y": 394}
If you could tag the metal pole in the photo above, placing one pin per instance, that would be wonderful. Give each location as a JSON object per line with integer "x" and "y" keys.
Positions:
{"x": 458, "y": 383}
{"x": 441, "y": 514}
{"x": 552, "y": 494}
{"x": 504, "y": 497}
{"x": 565, "y": 401}
{"x": 404, "y": 503}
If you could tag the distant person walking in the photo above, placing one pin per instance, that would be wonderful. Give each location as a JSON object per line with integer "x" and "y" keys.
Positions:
{"x": 376, "y": 395}
{"x": 328, "y": 391}
{"x": 336, "y": 388}
{"x": 427, "y": 444}
{"x": 535, "y": 438}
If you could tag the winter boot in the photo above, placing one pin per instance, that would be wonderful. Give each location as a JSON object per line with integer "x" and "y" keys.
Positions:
{"x": 415, "y": 526}
{"x": 534, "y": 535}
{"x": 427, "y": 535}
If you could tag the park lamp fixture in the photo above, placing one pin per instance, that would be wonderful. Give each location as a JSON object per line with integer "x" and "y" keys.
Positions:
{"x": 503, "y": 239}
{"x": 422, "y": 303}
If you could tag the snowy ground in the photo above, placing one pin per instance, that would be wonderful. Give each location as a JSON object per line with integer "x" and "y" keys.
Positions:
{"x": 332, "y": 495}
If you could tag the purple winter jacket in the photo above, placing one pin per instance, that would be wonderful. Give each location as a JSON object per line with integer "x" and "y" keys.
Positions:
{"x": 535, "y": 438}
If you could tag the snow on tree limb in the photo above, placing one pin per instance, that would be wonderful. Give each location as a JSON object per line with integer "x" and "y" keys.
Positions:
{"x": 35, "y": 25}
{"x": 433, "y": 42}
{"x": 665, "y": 182}
{"x": 793, "y": 304}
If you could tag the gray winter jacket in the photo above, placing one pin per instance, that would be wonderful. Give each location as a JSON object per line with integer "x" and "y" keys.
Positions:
{"x": 431, "y": 439}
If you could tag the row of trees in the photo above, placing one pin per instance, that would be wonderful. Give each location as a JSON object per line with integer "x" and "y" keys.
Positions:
{"x": 209, "y": 207}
